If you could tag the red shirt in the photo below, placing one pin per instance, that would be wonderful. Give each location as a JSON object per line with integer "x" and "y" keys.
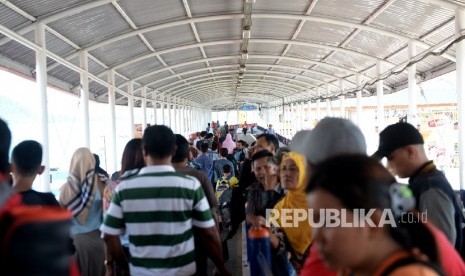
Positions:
{"x": 314, "y": 265}
{"x": 450, "y": 261}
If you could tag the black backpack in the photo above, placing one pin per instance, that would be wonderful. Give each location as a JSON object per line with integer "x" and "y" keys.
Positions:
{"x": 436, "y": 179}
{"x": 34, "y": 239}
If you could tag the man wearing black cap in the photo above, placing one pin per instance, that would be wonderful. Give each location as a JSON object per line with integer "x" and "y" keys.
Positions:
{"x": 402, "y": 145}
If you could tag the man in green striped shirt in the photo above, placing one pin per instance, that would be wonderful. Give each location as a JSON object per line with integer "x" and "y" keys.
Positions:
{"x": 160, "y": 210}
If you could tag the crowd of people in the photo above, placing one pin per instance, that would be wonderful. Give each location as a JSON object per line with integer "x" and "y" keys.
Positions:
{"x": 164, "y": 211}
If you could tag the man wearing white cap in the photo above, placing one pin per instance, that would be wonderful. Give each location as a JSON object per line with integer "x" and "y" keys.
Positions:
{"x": 330, "y": 137}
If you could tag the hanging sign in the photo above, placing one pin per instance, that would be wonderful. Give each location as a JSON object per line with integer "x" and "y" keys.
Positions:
{"x": 248, "y": 107}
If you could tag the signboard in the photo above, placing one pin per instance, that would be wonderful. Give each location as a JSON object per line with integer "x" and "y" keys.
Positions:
{"x": 248, "y": 107}
{"x": 139, "y": 131}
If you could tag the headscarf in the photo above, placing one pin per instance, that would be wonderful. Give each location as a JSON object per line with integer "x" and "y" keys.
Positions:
{"x": 229, "y": 143}
{"x": 78, "y": 193}
{"x": 299, "y": 237}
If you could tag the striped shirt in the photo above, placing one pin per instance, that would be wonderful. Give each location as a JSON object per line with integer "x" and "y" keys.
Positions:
{"x": 158, "y": 208}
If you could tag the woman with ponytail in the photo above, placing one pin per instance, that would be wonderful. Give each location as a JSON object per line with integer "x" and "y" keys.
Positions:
{"x": 392, "y": 244}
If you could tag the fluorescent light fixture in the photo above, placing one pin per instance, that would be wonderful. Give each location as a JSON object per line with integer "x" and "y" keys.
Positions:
{"x": 246, "y": 34}
{"x": 244, "y": 56}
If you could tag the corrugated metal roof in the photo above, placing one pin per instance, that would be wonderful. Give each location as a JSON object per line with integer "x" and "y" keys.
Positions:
{"x": 191, "y": 48}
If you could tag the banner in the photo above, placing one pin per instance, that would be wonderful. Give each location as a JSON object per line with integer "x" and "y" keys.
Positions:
{"x": 248, "y": 107}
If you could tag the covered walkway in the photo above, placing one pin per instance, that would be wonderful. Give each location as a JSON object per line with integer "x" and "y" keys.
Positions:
{"x": 182, "y": 60}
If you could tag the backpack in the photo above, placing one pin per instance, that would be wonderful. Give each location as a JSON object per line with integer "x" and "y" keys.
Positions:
{"x": 35, "y": 239}
{"x": 223, "y": 190}
{"x": 224, "y": 182}
{"x": 435, "y": 180}
{"x": 212, "y": 174}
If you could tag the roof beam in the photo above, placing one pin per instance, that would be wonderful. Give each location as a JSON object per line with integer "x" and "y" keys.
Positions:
{"x": 367, "y": 21}
{"x": 194, "y": 30}
{"x": 302, "y": 84}
{"x": 295, "y": 87}
{"x": 257, "y": 16}
{"x": 226, "y": 84}
{"x": 258, "y": 57}
{"x": 60, "y": 15}
{"x": 18, "y": 10}
{"x": 234, "y": 41}
{"x": 247, "y": 74}
{"x": 206, "y": 94}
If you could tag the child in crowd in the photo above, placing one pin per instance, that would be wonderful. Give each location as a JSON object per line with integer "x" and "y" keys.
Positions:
{"x": 223, "y": 194}
{"x": 26, "y": 165}
{"x": 228, "y": 179}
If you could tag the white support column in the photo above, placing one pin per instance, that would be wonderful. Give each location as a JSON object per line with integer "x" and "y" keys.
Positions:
{"x": 302, "y": 114}
{"x": 359, "y": 100}
{"x": 196, "y": 119}
{"x": 308, "y": 115}
{"x": 154, "y": 104}
{"x": 341, "y": 100}
{"x": 175, "y": 115}
{"x": 329, "y": 110}
{"x": 204, "y": 119}
{"x": 328, "y": 107}
{"x": 460, "y": 67}
{"x": 192, "y": 120}
{"x": 342, "y": 109}
{"x": 267, "y": 117}
{"x": 292, "y": 119}
{"x": 181, "y": 117}
{"x": 379, "y": 93}
{"x": 180, "y": 128}
{"x": 184, "y": 117}
{"x": 412, "y": 86}
{"x": 112, "y": 166}
{"x": 318, "y": 105}
{"x": 162, "y": 102}
{"x": 144, "y": 108}
{"x": 291, "y": 122}
{"x": 83, "y": 61}
{"x": 41, "y": 79}
{"x": 170, "y": 123}
{"x": 188, "y": 117}
{"x": 131, "y": 108}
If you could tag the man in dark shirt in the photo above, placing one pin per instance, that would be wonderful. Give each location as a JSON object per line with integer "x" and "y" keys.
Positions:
{"x": 179, "y": 162}
{"x": 266, "y": 192}
{"x": 26, "y": 165}
{"x": 402, "y": 145}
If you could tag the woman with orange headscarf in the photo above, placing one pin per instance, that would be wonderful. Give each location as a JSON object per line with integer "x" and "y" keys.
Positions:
{"x": 296, "y": 237}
